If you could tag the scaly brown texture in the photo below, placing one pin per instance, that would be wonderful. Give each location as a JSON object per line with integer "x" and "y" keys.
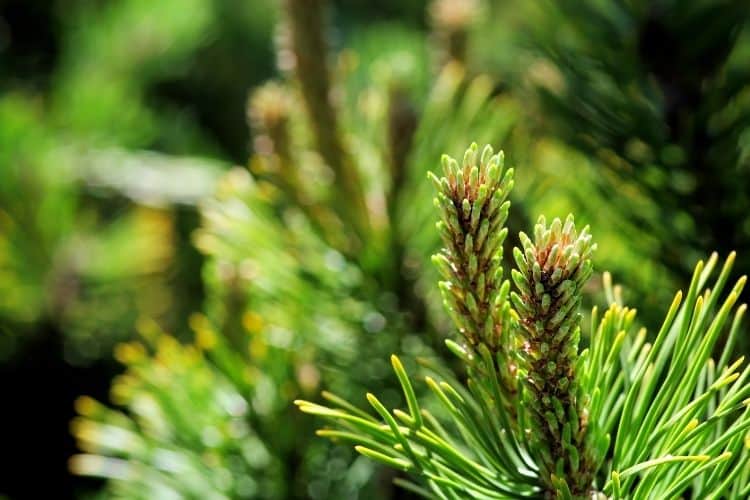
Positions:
{"x": 472, "y": 199}
{"x": 551, "y": 272}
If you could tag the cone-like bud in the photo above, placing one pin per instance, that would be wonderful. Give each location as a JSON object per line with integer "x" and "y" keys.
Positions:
{"x": 471, "y": 197}
{"x": 552, "y": 270}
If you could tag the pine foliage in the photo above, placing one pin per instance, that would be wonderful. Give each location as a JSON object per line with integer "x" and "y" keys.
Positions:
{"x": 316, "y": 271}
{"x": 623, "y": 418}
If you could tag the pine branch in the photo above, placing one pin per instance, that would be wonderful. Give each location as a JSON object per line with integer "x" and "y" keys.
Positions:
{"x": 663, "y": 420}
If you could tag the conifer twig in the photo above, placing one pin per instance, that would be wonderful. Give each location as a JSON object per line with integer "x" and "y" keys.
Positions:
{"x": 306, "y": 25}
{"x": 551, "y": 272}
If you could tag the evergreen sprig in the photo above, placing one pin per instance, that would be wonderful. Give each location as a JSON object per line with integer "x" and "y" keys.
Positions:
{"x": 551, "y": 271}
{"x": 472, "y": 201}
{"x": 624, "y": 418}
{"x": 472, "y": 198}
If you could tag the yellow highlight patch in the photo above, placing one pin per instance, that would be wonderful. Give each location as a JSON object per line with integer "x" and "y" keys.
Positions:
{"x": 252, "y": 322}
{"x": 129, "y": 352}
{"x": 205, "y": 337}
{"x": 85, "y": 405}
{"x": 257, "y": 348}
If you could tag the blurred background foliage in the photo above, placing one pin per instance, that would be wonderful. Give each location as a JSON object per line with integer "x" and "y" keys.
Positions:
{"x": 219, "y": 271}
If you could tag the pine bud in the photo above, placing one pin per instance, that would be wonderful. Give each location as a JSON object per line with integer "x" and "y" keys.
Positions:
{"x": 472, "y": 197}
{"x": 473, "y": 208}
{"x": 552, "y": 269}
